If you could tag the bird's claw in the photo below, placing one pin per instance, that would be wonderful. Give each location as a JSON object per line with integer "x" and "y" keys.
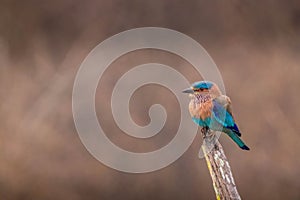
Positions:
{"x": 206, "y": 132}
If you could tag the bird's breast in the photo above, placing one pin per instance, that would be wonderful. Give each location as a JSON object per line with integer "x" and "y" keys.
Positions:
{"x": 200, "y": 110}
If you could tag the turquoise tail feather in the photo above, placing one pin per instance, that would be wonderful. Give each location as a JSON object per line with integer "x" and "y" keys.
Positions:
{"x": 237, "y": 140}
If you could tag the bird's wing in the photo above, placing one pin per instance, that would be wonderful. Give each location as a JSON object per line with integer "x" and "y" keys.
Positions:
{"x": 225, "y": 102}
{"x": 222, "y": 114}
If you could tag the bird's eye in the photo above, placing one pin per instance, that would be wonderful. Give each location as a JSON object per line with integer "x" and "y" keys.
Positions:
{"x": 199, "y": 89}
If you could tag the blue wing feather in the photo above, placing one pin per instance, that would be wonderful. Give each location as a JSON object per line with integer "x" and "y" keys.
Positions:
{"x": 222, "y": 116}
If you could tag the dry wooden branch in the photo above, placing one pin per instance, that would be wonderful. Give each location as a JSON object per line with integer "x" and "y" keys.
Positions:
{"x": 219, "y": 169}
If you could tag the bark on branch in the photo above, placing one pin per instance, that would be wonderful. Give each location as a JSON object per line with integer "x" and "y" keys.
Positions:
{"x": 219, "y": 169}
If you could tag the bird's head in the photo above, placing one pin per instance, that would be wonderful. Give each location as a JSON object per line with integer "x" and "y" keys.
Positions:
{"x": 203, "y": 88}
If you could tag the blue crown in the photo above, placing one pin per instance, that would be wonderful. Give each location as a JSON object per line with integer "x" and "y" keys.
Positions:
{"x": 202, "y": 85}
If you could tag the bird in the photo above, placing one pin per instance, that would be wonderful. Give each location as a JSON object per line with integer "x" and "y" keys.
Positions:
{"x": 212, "y": 110}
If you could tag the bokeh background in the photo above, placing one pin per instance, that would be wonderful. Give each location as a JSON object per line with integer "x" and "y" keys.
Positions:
{"x": 255, "y": 44}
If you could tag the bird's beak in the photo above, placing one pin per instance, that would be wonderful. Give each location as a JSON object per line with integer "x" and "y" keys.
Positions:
{"x": 188, "y": 90}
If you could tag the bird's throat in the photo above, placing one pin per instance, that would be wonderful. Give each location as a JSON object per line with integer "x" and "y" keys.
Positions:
{"x": 200, "y": 106}
{"x": 202, "y": 98}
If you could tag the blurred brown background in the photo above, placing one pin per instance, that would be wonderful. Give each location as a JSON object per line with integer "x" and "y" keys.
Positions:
{"x": 255, "y": 44}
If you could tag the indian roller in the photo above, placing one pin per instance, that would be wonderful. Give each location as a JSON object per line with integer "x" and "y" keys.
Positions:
{"x": 212, "y": 110}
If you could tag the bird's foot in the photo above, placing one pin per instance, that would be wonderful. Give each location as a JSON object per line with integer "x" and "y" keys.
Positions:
{"x": 209, "y": 133}
{"x": 203, "y": 131}
{"x": 206, "y": 132}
